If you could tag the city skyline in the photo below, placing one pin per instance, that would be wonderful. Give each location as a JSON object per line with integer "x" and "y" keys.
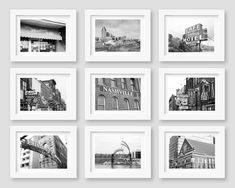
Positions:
{"x": 119, "y": 27}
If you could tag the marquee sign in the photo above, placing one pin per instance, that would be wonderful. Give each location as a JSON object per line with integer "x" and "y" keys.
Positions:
{"x": 31, "y": 93}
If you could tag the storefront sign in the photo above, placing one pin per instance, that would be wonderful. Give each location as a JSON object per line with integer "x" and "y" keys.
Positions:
{"x": 117, "y": 91}
{"x": 31, "y": 93}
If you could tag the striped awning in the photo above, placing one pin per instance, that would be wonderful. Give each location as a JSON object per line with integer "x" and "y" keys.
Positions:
{"x": 30, "y": 32}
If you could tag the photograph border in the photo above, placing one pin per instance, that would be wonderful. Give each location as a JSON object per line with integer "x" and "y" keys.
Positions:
{"x": 144, "y": 55}
{"x": 71, "y": 36}
{"x": 69, "y": 114}
{"x": 218, "y": 172}
{"x": 218, "y": 114}
{"x": 70, "y": 172}
{"x": 218, "y": 55}
{"x": 143, "y": 114}
{"x": 144, "y": 172}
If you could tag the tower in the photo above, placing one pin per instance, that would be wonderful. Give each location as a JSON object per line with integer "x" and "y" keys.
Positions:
{"x": 103, "y": 32}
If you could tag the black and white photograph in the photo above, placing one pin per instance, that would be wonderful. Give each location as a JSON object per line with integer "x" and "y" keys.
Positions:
{"x": 118, "y": 94}
{"x": 117, "y": 35}
{"x": 118, "y": 150}
{"x": 43, "y": 151}
{"x": 43, "y": 93}
{"x": 47, "y": 34}
{"x": 192, "y": 151}
{"x": 191, "y": 93}
{"x": 190, "y": 33}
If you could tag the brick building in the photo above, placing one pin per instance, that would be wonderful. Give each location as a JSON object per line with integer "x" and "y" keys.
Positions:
{"x": 118, "y": 93}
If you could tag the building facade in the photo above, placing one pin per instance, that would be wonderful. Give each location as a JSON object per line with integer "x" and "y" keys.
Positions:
{"x": 53, "y": 144}
{"x": 40, "y": 95}
{"x": 201, "y": 92}
{"x": 198, "y": 94}
{"x": 196, "y": 154}
{"x": 118, "y": 93}
{"x": 42, "y": 36}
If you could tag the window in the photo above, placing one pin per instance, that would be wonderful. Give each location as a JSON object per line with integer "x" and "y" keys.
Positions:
{"x": 113, "y": 82}
{"x": 126, "y": 104}
{"x": 123, "y": 82}
{"x": 101, "y": 81}
{"x": 101, "y": 102}
{"x": 136, "y": 105}
{"x": 24, "y": 85}
{"x": 114, "y": 103}
{"x": 133, "y": 85}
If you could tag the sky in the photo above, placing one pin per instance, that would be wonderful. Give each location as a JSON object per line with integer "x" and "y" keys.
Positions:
{"x": 201, "y": 137}
{"x": 176, "y": 25}
{"x": 173, "y": 83}
{"x": 107, "y": 143}
{"x": 61, "y": 84}
{"x": 128, "y": 28}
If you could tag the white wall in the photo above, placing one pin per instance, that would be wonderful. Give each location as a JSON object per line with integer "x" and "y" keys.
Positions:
{"x": 81, "y": 5}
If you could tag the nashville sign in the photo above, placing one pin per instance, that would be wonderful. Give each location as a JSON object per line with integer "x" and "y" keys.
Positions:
{"x": 117, "y": 91}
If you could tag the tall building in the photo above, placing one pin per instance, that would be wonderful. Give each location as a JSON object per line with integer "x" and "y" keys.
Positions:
{"x": 174, "y": 149}
{"x": 118, "y": 94}
{"x": 29, "y": 158}
{"x": 103, "y": 32}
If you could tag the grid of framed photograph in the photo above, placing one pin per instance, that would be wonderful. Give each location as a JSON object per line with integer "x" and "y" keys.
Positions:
{"x": 43, "y": 151}
{"x": 191, "y": 35}
{"x": 191, "y": 152}
{"x": 117, "y": 35}
{"x": 118, "y": 152}
{"x": 43, "y": 35}
{"x": 118, "y": 94}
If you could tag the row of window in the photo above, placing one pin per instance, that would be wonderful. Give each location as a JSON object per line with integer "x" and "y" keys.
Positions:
{"x": 101, "y": 103}
{"x": 113, "y": 82}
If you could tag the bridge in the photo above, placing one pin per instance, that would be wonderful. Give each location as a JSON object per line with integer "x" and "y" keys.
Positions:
{"x": 36, "y": 147}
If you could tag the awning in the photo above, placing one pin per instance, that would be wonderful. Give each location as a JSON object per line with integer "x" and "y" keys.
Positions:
{"x": 30, "y": 32}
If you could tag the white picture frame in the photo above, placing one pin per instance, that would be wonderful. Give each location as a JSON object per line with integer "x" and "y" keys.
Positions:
{"x": 145, "y": 35}
{"x": 143, "y": 172}
{"x": 67, "y": 17}
{"x": 15, "y": 155}
{"x": 217, "y": 114}
{"x": 69, "y": 113}
{"x": 218, "y": 53}
{"x": 166, "y": 172}
{"x": 144, "y": 112}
